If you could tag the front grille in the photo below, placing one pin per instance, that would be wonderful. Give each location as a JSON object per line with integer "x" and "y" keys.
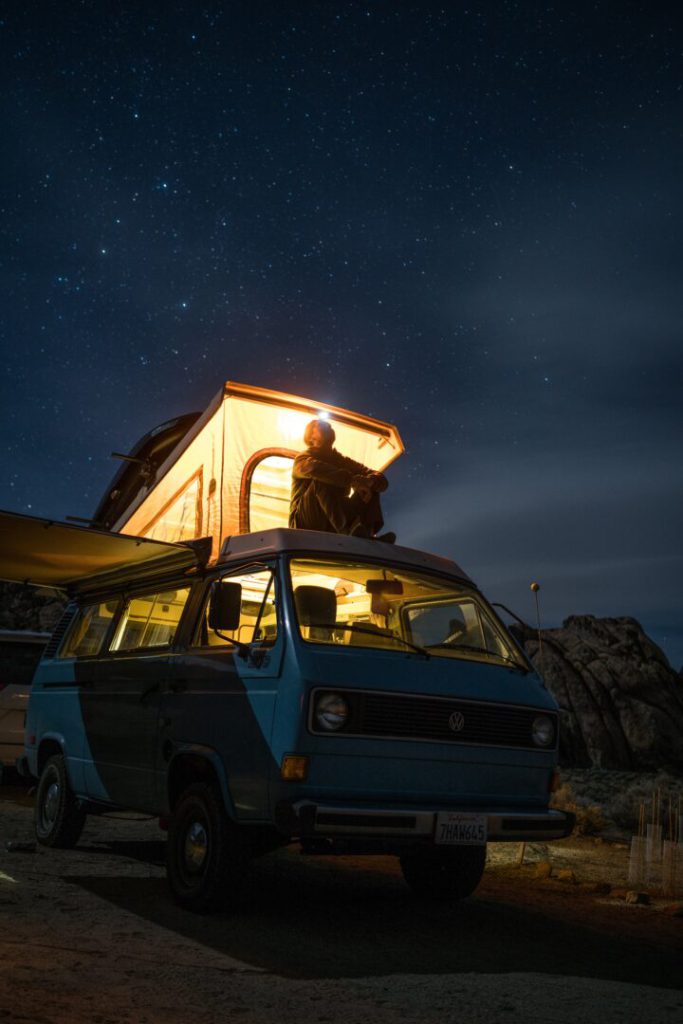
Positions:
{"x": 440, "y": 719}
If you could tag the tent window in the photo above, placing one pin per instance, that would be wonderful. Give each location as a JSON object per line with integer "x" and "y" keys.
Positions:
{"x": 181, "y": 518}
{"x": 268, "y": 492}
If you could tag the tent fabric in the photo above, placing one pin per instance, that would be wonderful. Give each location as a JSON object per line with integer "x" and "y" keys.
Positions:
{"x": 45, "y": 553}
{"x": 242, "y": 425}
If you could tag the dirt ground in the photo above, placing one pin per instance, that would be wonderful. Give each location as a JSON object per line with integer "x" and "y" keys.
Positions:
{"x": 91, "y": 935}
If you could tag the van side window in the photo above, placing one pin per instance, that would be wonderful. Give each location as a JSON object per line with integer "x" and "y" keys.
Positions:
{"x": 150, "y": 620}
{"x": 258, "y": 613}
{"x": 88, "y": 630}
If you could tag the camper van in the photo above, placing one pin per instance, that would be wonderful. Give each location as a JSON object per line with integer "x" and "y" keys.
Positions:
{"x": 283, "y": 686}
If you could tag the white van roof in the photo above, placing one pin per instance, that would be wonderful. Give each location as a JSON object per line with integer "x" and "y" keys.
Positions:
{"x": 245, "y": 547}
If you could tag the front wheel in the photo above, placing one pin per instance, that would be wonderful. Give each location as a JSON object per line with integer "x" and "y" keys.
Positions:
{"x": 206, "y": 858}
{"x": 444, "y": 872}
{"x": 58, "y": 817}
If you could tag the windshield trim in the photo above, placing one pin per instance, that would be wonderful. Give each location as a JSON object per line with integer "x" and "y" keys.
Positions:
{"x": 327, "y": 556}
{"x": 515, "y": 660}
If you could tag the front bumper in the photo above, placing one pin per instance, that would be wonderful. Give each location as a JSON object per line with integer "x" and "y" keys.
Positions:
{"x": 307, "y": 820}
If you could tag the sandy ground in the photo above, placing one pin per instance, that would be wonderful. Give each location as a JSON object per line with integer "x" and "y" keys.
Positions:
{"x": 91, "y": 935}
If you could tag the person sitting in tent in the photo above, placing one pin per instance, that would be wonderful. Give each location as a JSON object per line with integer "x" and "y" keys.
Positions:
{"x": 321, "y": 480}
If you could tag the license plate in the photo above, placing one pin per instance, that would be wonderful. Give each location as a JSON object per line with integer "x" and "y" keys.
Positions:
{"x": 453, "y": 829}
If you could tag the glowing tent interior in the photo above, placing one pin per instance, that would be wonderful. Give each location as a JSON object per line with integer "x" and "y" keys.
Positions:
{"x": 231, "y": 472}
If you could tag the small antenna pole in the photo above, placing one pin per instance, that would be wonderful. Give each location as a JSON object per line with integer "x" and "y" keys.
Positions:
{"x": 535, "y": 587}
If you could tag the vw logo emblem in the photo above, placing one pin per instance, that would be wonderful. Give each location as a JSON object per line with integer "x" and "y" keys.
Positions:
{"x": 456, "y": 722}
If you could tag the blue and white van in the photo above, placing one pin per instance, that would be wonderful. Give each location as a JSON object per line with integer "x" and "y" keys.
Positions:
{"x": 342, "y": 693}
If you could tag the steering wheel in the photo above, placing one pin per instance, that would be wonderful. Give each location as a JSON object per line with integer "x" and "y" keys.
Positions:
{"x": 455, "y": 637}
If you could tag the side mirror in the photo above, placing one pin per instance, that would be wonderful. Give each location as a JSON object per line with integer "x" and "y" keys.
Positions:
{"x": 225, "y": 606}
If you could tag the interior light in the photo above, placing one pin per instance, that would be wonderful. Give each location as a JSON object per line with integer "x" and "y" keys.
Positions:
{"x": 323, "y": 414}
{"x": 291, "y": 424}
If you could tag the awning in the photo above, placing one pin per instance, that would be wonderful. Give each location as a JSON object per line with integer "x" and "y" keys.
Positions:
{"x": 47, "y": 553}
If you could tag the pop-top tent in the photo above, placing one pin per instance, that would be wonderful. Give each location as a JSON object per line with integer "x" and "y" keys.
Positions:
{"x": 231, "y": 472}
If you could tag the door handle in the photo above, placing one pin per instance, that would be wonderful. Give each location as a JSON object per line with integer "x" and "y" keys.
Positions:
{"x": 178, "y": 685}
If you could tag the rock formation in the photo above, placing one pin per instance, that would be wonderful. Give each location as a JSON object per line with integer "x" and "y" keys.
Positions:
{"x": 622, "y": 703}
{"x": 27, "y": 608}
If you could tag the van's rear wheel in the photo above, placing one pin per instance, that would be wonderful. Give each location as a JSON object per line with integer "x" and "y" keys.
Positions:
{"x": 58, "y": 817}
{"x": 206, "y": 857}
{"x": 444, "y": 872}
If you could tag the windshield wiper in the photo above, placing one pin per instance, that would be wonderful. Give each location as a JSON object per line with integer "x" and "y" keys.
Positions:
{"x": 354, "y": 628}
{"x": 478, "y": 650}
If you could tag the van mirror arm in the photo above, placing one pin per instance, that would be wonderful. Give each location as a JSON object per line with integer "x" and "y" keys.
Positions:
{"x": 499, "y": 604}
{"x": 242, "y": 650}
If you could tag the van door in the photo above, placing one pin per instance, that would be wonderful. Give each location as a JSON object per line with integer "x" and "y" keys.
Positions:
{"x": 66, "y": 681}
{"x": 221, "y": 702}
{"x": 123, "y": 706}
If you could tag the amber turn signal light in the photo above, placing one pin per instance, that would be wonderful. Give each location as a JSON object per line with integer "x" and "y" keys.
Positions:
{"x": 554, "y": 781}
{"x": 294, "y": 768}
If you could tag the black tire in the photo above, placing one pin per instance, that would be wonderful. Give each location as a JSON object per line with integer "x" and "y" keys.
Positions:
{"x": 444, "y": 872}
{"x": 206, "y": 858}
{"x": 58, "y": 818}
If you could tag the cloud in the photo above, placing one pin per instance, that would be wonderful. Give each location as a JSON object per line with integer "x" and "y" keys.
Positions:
{"x": 597, "y": 531}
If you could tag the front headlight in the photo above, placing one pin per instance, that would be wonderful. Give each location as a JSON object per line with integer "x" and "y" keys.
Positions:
{"x": 543, "y": 731}
{"x": 331, "y": 712}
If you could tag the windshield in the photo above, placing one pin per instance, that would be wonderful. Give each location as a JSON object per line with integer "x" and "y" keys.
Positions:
{"x": 372, "y": 605}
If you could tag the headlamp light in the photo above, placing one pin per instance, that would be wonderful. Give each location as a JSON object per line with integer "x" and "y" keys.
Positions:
{"x": 543, "y": 731}
{"x": 331, "y": 712}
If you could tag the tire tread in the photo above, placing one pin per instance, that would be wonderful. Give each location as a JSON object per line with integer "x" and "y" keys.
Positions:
{"x": 71, "y": 817}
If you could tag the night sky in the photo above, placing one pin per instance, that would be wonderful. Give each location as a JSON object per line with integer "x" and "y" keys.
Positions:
{"x": 461, "y": 218}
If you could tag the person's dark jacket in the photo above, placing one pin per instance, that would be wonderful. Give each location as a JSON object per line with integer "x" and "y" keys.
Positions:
{"x": 329, "y": 467}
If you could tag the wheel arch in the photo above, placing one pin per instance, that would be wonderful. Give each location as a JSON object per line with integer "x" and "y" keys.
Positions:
{"x": 197, "y": 764}
{"x": 49, "y": 745}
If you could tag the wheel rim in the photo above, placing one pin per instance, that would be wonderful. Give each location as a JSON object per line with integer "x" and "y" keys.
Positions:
{"x": 49, "y": 808}
{"x": 195, "y": 848}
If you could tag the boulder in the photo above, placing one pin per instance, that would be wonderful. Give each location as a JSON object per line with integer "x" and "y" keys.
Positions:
{"x": 29, "y": 608}
{"x": 621, "y": 702}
